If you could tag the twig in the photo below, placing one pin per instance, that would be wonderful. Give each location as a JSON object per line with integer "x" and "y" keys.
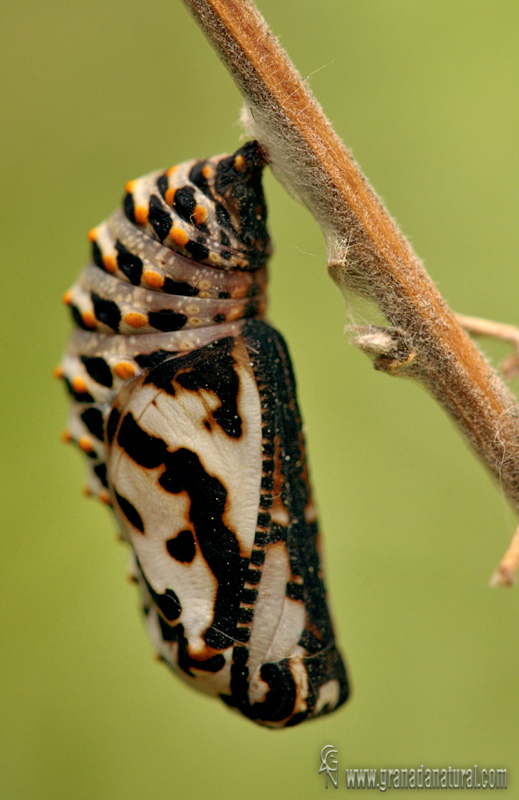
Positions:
{"x": 506, "y": 572}
{"x": 392, "y": 350}
{"x": 367, "y": 252}
{"x": 496, "y": 330}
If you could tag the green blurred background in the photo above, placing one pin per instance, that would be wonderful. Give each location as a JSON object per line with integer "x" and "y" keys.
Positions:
{"x": 426, "y": 96}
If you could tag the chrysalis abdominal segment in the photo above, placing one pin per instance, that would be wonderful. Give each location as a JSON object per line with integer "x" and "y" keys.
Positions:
{"x": 184, "y": 401}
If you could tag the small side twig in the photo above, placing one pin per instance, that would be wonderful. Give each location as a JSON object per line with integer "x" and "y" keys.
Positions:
{"x": 495, "y": 330}
{"x": 367, "y": 252}
{"x": 506, "y": 572}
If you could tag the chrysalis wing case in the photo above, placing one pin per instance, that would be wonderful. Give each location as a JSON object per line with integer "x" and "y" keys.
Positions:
{"x": 184, "y": 401}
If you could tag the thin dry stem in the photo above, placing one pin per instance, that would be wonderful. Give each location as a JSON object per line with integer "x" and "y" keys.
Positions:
{"x": 367, "y": 252}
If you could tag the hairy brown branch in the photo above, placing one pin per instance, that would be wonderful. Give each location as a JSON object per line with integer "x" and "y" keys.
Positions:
{"x": 367, "y": 252}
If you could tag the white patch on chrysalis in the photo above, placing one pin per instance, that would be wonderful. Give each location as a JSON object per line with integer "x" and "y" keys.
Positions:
{"x": 329, "y": 694}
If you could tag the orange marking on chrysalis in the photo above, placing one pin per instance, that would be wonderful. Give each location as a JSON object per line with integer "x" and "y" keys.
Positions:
{"x": 153, "y": 279}
{"x": 234, "y": 314}
{"x": 199, "y": 215}
{"x": 58, "y": 371}
{"x": 79, "y": 385}
{"x": 110, "y": 263}
{"x": 124, "y": 369}
{"x": 85, "y": 444}
{"x": 105, "y": 497}
{"x": 89, "y": 319}
{"x": 136, "y": 320}
{"x": 169, "y": 196}
{"x": 141, "y": 215}
{"x": 179, "y": 236}
{"x": 67, "y": 297}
